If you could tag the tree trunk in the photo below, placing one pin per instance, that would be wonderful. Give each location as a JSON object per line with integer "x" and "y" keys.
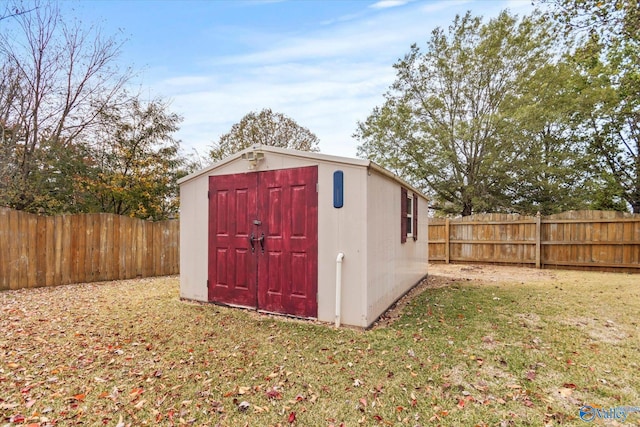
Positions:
{"x": 467, "y": 208}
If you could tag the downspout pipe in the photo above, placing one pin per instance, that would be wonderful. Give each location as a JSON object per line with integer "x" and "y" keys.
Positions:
{"x": 339, "y": 287}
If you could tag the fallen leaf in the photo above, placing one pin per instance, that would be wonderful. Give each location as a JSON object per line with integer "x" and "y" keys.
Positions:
{"x": 258, "y": 409}
{"x": 565, "y": 391}
{"x": 292, "y": 417}
{"x": 9, "y": 405}
{"x": 272, "y": 393}
{"x": 19, "y": 418}
{"x": 136, "y": 392}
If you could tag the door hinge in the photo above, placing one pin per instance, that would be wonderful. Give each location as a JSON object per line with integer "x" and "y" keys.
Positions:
{"x": 207, "y": 283}
{"x": 208, "y": 194}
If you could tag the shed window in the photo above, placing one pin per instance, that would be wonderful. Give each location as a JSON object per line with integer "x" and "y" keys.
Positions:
{"x": 403, "y": 215}
{"x": 415, "y": 217}
{"x": 409, "y": 218}
{"x": 408, "y": 215}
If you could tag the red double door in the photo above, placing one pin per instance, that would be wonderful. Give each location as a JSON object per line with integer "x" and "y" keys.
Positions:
{"x": 263, "y": 240}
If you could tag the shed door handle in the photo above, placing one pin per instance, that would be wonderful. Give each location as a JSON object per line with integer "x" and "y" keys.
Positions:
{"x": 262, "y": 242}
{"x": 251, "y": 240}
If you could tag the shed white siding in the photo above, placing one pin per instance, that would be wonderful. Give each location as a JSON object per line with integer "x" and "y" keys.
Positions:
{"x": 377, "y": 268}
{"x": 392, "y": 267}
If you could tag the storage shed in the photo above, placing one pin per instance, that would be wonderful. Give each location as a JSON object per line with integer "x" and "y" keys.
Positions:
{"x": 301, "y": 234}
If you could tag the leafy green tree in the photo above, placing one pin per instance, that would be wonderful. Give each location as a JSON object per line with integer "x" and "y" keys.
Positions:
{"x": 550, "y": 172}
{"x": 265, "y": 128}
{"x": 444, "y": 126}
{"x": 607, "y": 21}
{"x": 135, "y": 162}
{"x": 607, "y": 54}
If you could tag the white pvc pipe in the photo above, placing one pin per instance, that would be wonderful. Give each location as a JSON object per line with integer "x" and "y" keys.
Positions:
{"x": 338, "y": 287}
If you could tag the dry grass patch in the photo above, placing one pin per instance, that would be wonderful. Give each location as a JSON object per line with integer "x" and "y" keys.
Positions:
{"x": 457, "y": 352}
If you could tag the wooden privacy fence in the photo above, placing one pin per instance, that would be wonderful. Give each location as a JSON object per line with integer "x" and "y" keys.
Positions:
{"x": 595, "y": 240}
{"x": 47, "y": 251}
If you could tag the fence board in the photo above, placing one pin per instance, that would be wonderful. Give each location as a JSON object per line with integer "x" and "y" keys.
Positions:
{"x": 47, "y": 251}
{"x": 97, "y": 248}
{"x": 31, "y": 229}
{"x": 16, "y": 252}
{"x": 66, "y": 267}
{"x": 578, "y": 239}
{"x": 81, "y": 232}
{"x": 126, "y": 258}
{"x": 4, "y": 237}
{"x": 115, "y": 271}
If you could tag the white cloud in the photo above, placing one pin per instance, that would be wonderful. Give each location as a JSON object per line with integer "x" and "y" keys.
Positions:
{"x": 442, "y": 5}
{"x": 328, "y": 98}
{"x": 384, "y": 4}
{"x": 327, "y": 79}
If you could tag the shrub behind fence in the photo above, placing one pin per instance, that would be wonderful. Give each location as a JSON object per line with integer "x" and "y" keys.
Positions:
{"x": 47, "y": 251}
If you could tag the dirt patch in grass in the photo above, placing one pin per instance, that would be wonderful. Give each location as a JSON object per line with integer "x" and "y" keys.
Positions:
{"x": 490, "y": 273}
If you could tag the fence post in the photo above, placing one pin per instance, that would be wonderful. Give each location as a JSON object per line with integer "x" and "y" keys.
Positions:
{"x": 446, "y": 240}
{"x": 538, "y": 240}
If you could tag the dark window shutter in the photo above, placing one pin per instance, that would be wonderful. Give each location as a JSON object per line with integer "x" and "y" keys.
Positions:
{"x": 403, "y": 215}
{"x": 415, "y": 216}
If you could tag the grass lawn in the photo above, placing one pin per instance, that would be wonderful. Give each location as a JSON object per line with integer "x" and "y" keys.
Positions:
{"x": 459, "y": 353}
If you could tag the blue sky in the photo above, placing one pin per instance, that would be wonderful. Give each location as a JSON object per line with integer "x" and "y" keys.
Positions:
{"x": 326, "y": 64}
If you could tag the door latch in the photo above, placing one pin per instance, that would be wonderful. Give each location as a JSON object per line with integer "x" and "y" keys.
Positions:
{"x": 252, "y": 240}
